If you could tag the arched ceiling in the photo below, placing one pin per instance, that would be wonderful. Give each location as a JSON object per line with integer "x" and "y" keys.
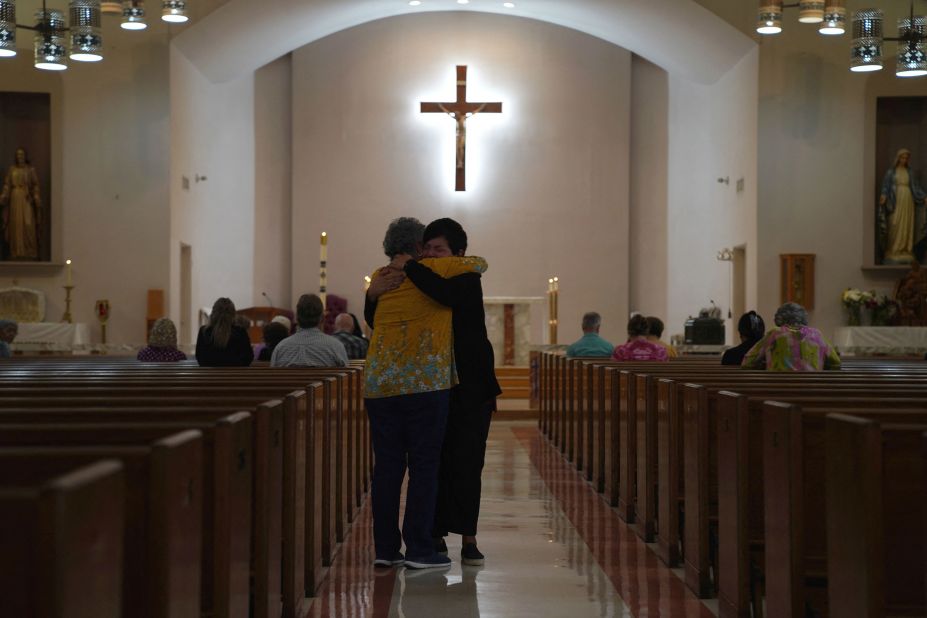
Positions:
{"x": 678, "y": 35}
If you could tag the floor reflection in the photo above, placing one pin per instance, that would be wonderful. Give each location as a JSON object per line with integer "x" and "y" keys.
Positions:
{"x": 553, "y": 548}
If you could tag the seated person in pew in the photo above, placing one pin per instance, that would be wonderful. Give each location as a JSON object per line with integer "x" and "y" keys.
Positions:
{"x": 638, "y": 348}
{"x": 8, "y": 331}
{"x": 751, "y": 328}
{"x": 792, "y": 345}
{"x": 590, "y": 344}
{"x": 222, "y": 343}
{"x": 309, "y": 347}
{"x": 273, "y": 333}
{"x": 355, "y": 346}
{"x": 408, "y": 377}
{"x": 162, "y": 344}
{"x": 656, "y": 331}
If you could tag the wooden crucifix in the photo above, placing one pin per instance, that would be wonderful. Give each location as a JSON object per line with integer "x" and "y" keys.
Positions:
{"x": 460, "y": 110}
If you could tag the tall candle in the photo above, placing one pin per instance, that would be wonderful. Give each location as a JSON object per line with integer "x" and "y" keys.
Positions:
{"x": 323, "y": 270}
{"x": 68, "y": 271}
{"x": 324, "y": 250}
{"x": 366, "y": 283}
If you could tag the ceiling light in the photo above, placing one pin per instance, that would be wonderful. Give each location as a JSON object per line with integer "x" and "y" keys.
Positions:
{"x": 835, "y": 19}
{"x": 866, "y": 53}
{"x": 912, "y": 51}
{"x": 769, "y": 17}
{"x": 85, "y": 35}
{"x": 133, "y": 15}
{"x": 50, "y": 44}
{"x": 811, "y": 11}
{"x": 7, "y": 29}
{"x": 463, "y": 1}
{"x": 509, "y": 5}
{"x": 415, "y": 2}
{"x": 174, "y": 11}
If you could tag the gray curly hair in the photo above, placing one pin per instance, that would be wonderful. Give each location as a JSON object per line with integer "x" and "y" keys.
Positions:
{"x": 404, "y": 235}
{"x": 791, "y": 314}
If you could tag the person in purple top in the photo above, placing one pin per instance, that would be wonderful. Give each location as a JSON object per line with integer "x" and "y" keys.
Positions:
{"x": 792, "y": 345}
{"x": 162, "y": 344}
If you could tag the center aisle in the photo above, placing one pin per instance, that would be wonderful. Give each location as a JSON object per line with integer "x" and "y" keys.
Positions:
{"x": 553, "y": 548}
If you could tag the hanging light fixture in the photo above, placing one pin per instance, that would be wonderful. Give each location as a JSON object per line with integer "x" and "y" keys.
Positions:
{"x": 835, "y": 18}
{"x": 7, "y": 29}
{"x": 174, "y": 11}
{"x": 55, "y": 42}
{"x": 50, "y": 42}
{"x": 86, "y": 38}
{"x": 811, "y": 11}
{"x": 866, "y": 52}
{"x": 912, "y": 51}
{"x": 769, "y": 18}
{"x": 133, "y": 15}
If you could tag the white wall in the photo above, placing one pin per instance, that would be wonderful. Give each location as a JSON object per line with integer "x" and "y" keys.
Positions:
{"x": 649, "y": 185}
{"x": 712, "y": 135}
{"x": 548, "y": 178}
{"x": 110, "y": 171}
{"x": 273, "y": 199}
{"x": 212, "y": 135}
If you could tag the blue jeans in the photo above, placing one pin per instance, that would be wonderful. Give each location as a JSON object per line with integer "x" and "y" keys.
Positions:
{"x": 407, "y": 429}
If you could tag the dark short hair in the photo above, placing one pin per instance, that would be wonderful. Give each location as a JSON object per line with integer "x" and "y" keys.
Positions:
{"x": 452, "y": 232}
{"x": 638, "y": 326}
{"x": 274, "y": 333}
{"x": 655, "y": 326}
{"x": 309, "y": 311}
{"x": 751, "y": 326}
{"x": 404, "y": 235}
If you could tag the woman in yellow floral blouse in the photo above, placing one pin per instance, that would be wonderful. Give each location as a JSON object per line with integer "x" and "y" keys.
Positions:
{"x": 409, "y": 374}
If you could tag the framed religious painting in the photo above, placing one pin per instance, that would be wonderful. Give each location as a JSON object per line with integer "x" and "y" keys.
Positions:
{"x": 25, "y": 165}
{"x": 901, "y": 169}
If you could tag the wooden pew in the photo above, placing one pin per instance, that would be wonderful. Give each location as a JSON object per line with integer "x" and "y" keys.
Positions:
{"x": 62, "y": 537}
{"x": 347, "y": 466}
{"x": 876, "y": 513}
{"x": 162, "y": 508}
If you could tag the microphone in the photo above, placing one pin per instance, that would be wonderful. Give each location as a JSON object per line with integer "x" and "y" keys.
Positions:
{"x": 269, "y": 302}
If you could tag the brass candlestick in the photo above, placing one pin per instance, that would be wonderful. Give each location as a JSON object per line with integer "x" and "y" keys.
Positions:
{"x": 67, "y": 304}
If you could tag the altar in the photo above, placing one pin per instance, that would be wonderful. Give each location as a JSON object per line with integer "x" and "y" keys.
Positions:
{"x": 51, "y": 337}
{"x": 513, "y": 324}
{"x": 890, "y": 340}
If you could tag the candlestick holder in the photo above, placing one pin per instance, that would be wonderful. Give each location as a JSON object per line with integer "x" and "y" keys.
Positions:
{"x": 67, "y": 304}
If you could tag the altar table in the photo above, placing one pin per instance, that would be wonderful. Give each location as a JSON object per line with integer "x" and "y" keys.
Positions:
{"x": 892, "y": 340}
{"x": 51, "y": 337}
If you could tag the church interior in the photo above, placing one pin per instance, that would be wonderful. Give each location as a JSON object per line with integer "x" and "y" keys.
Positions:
{"x": 654, "y": 157}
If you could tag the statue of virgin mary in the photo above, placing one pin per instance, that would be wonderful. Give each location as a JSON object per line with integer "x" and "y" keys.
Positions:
{"x": 901, "y": 213}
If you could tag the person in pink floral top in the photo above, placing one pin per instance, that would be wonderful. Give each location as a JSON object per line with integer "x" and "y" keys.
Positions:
{"x": 638, "y": 348}
{"x": 162, "y": 344}
{"x": 793, "y": 345}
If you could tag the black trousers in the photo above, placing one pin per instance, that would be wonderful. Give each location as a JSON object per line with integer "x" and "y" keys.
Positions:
{"x": 459, "y": 477}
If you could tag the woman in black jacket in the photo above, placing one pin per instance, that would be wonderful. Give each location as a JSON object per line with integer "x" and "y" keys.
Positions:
{"x": 751, "y": 328}
{"x": 221, "y": 343}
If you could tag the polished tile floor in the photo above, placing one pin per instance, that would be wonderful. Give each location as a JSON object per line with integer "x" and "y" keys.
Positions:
{"x": 553, "y": 548}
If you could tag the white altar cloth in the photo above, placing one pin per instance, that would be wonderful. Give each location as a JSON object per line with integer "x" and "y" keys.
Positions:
{"x": 51, "y": 337}
{"x": 881, "y": 339}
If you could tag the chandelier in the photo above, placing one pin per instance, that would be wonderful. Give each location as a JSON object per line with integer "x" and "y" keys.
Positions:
{"x": 55, "y": 41}
{"x": 868, "y": 37}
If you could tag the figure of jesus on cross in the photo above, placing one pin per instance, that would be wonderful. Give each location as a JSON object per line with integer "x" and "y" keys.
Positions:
{"x": 460, "y": 110}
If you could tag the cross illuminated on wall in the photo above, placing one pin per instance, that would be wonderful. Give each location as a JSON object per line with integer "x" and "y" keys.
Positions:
{"x": 460, "y": 110}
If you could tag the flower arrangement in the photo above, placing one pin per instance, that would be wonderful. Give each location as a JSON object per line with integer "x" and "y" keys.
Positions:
{"x": 854, "y": 300}
{"x": 881, "y": 309}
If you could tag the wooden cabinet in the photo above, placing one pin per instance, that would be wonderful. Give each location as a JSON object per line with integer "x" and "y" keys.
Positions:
{"x": 796, "y": 279}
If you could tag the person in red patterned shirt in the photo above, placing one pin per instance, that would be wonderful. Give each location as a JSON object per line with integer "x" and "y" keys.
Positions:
{"x": 638, "y": 348}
